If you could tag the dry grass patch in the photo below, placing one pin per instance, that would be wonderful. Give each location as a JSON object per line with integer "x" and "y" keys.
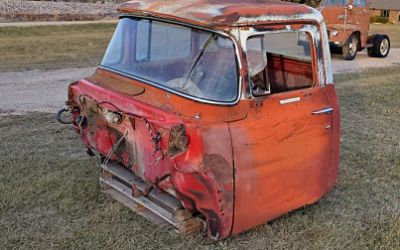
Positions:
{"x": 50, "y": 47}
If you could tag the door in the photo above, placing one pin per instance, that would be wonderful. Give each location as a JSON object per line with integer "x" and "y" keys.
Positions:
{"x": 283, "y": 150}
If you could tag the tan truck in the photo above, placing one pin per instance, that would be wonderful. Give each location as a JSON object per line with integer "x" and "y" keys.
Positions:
{"x": 348, "y": 28}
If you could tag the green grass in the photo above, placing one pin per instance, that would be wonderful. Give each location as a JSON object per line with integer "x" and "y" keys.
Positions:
{"x": 50, "y": 47}
{"x": 393, "y": 31}
{"x": 49, "y": 195}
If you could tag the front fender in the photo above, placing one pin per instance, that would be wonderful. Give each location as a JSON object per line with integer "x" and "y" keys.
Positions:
{"x": 344, "y": 32}
{"x": 205, "y": 177}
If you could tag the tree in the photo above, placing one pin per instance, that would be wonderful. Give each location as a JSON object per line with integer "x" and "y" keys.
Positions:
{"x": 312, "y": 3}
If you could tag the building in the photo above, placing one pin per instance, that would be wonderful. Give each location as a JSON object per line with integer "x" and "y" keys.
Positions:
{"x": 388, "y": 9}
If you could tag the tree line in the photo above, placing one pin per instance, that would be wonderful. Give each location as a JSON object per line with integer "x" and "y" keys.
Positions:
{"x": 313, "y": 3}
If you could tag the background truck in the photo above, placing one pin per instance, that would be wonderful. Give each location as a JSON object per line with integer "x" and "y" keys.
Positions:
{"x": 348, "y": 28}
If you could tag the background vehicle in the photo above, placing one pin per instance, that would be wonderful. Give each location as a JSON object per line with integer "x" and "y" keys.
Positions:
{"x": 348, "y": 28}
{"x": 215, "y": 114}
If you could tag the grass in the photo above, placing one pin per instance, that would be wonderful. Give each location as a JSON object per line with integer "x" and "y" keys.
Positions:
{"x": 49, "y": 47}
{"x": 49, "y": 196}
{"x": 393, "y": 31}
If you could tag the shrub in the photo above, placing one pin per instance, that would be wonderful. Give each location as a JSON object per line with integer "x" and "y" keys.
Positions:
{"x": 378, "y": 19}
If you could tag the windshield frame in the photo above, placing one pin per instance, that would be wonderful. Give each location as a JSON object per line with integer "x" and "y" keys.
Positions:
{"x": 226, "y": 35}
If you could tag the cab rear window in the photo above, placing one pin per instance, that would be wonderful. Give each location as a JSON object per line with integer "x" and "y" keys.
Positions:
{"x": 188, "y": 61}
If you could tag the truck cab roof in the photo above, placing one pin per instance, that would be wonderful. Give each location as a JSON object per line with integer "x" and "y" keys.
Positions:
{"x": 214, "y": 13}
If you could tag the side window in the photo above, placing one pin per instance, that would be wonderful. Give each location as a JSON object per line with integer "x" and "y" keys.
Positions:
{"x": 280, "y": 62}
{"x": 157, "y": 41}
{"x": 384, "y": 13}
{"x": 360, "y": 3}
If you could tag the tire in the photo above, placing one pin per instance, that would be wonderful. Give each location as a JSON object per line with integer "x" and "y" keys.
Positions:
{"x": 380, "y": 46}
{"x": 336, "y": 50}
{"x": 350, "y": 48}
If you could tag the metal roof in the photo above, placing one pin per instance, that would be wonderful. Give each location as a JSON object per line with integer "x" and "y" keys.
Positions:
{"x": 385, "y": 4}
{"x": 221, "y": 12}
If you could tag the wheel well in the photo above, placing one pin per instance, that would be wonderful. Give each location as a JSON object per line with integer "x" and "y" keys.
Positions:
{"x": 358, "y": 35}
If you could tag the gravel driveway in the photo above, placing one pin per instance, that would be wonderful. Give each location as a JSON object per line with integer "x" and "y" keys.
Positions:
{"x": 363, "y": 62}
{"x": 17, "y": 10}
{"x": 36, "y": 90}
{"x": 46, "y": 91}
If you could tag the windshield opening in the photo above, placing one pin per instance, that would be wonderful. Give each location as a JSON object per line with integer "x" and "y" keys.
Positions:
{"x": 184, "y": 60}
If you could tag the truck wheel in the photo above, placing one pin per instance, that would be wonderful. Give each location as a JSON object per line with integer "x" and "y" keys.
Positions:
{"x": 380, "y": 46}
{"x": 350, "y": 48}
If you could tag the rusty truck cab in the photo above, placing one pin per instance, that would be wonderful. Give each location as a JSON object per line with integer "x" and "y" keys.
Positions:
{"x": 222, "y": 113}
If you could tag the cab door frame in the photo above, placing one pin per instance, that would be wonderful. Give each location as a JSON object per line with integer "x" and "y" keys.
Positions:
{"x": 271, "y": 181}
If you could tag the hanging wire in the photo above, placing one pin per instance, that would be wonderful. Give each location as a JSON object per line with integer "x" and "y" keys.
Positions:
{"x": 112, "y": 150}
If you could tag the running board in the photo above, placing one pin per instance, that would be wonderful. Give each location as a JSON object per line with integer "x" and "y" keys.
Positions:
{"x": 158, "y": 207}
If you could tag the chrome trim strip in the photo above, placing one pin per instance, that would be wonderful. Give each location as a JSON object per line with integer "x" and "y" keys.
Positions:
{"x": 324, "y": 111}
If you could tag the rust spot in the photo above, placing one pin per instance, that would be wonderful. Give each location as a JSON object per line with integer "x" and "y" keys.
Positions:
{"x": 220, "y": 168}
{"x": 116, "y": 84}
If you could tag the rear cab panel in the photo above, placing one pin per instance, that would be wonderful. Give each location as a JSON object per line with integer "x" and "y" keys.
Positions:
{"x": 175, "y": 142}
{"x": 201, "y": 175}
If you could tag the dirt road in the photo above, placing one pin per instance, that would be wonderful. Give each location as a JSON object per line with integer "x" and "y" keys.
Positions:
{"x": 30, "y": 24}
{"x": 36, "y": 90}
{"x": 363, "y": 62}
{"x": 46, "y": 91}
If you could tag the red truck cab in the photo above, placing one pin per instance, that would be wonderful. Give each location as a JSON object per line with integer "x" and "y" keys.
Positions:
{"x": 214, "y": 114}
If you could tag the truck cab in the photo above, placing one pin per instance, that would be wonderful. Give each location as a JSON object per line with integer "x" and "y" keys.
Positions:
{"x": 212, "y": 116}
{"x": 348, "y": 28}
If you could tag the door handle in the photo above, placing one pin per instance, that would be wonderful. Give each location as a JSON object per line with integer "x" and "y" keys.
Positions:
{"x": 325, "y": 111}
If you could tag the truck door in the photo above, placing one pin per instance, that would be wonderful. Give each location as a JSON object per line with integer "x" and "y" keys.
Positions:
{"x": 283, "y": 150}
